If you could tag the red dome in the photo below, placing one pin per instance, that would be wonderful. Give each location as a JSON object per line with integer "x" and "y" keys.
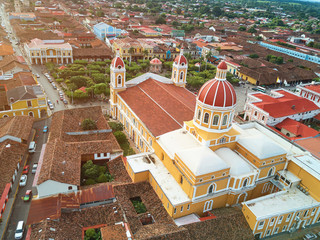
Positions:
{"x": 217, "y": 93}
{"x": 222, "y": 65}
{"x": 181, "y": 59}
{"x": 116, "y": 62}
{"x": 155, "y": 61}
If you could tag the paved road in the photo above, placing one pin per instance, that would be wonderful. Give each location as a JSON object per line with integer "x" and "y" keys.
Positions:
{"x": 21, "y": 208}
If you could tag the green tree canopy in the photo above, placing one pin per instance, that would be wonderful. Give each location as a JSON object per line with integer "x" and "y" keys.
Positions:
{"x": 88, "y": 124}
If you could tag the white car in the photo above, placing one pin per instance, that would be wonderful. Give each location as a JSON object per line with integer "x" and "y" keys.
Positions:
{"x": 38, "y": 76}
{"x": 34, "y": 168}
{"x": 23, "y": 180}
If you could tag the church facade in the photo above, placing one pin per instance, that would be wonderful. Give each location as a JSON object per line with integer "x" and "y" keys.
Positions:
{"x": 193, "y": 155}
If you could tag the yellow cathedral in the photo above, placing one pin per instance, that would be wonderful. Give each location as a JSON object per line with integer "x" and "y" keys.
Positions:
{"x": 197, "y": 159}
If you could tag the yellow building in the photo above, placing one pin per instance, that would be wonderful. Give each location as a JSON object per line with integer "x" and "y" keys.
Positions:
{"x": 293, "y": 208}
{"x": 43, "y": 51}
{"x": 24, "y": 100}
{"x": 140, "y": 49}
{"x": 193, "y": 155}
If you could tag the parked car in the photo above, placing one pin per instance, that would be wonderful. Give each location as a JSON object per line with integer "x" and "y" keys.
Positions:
{"x": 27, "y": 196}
{"x": 34, "y": 168}
{"x": 54, "y": 85}
{"x": 32, "y": 147}
{"x": 45, "y": 129}
{"x": 61, "y": 97}
{"x": 50, "y": 105}
{"x": 19, "y": 230}
{"x": 23, "y": 180}
{"x": 25, "y": 169}
{"x": 309, "y": 236}
{"x": 65, "y": 101}
{"x": 38, "y": 76}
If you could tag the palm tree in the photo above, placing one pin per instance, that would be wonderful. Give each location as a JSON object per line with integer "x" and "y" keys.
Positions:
{"x": 145, "y": 53}
{"x": 131, "y": 51}
{"x": 207, "y": 56}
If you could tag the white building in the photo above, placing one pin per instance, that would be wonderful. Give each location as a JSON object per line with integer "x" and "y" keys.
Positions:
{"x": 43, "y": 51}
{"x": 311, "y": 92}
{"x": 279, "y": 105}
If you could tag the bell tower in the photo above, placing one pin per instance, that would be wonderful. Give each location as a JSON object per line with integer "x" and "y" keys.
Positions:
{"x": 117, "y": 81}
{"x": 179, "y": 70}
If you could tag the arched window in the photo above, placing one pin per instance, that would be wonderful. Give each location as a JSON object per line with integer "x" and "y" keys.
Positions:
{"x": 206, "y": 118}
{"x": 245, "y": 182}
{"x": 199, "y": 114}
{"x": 119, "y": 79}
{"x": 215, "y": 120}
{"x": 174, "y": 74}
{"x": 271, "y": 172}
{"x": 31, "y": 114}
{"x": 181, "y": 76}
{"x": 225, "y": 118}
{"x": 210, "y": 189}
{"x": 222, "y": 140}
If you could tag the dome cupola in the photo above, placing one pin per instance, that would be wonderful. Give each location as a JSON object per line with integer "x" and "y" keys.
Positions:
{"x": 117, "y": 62}
{"x": 216, "y": 102}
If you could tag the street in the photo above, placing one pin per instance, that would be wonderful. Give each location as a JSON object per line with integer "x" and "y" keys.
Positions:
{"x": 20, "y": 208}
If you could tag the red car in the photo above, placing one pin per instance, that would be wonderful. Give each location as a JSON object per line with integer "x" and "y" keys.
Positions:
{"x": 25, "y": 169}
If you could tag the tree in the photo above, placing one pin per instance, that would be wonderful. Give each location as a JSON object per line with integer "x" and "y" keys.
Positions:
{"x": 145, "y": 53}
{"x": 254, "y": 55}
{"x": 99, "y": 77}
{"x": 100, "y": 88}
{"x": 252, "y": 30}
{"x": 121, "y": 137}
{"x": 242, "y": 28}
{"x": 178, "y": 10}
{"x": 88, "y": 124}
{"x": 161, "y": 20}
{"x": 217, "y": 11}
{"x": 131, "y": 51}
{"x": 115, "y": 126}
{"x": 207, "y": 56}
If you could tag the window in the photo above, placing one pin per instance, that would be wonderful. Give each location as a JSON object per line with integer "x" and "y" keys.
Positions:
{"x": 284, "y": 228}
{"x": 225, "y": 118}
{"x": 313, "y": 211}
{"x": 306, "y": 213}
{"x": 280, "y": 219}
{"x": 181, "y": 76}
{"x": 29, "y": 103}
{"x": 222, "y": 140}
{"x": 174, "y": 74}
{"x": 215, "y": 120}
{"x": 260, "y": 226}
{"x": 119, "y": 79}
{"x": 181, "y": 179}
{"x": 69, "y": 187}
{"x": 200, "y": 180}
{"x": 309, "y": 221}
{"x": 276, "y": 231}
{"x": 288, "y": 218}
{"x": 168, "y": 205}
{"x": 298, "y": 214}
{"x": 270, "y": 173}
{"x": 255, "y": 113}
{"x": 181, "y": 208}
{"x": 212, "y": 177}
{"x": 175, "y": 210}
{"x": 211, "y": 188}
{"x": 206, "y": 118}
{"x": 199, "y": 114}
{"x": 162, "y": 156}
{"x": 272, "y": 222}
{"x": 262, "y": 118}
{"x": 188, "y": 208}
{"x": 268, "y": 232}
{"x": 245, "y": 182}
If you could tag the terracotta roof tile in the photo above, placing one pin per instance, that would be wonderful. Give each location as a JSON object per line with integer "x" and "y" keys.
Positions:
{"x": 161, "y": 107}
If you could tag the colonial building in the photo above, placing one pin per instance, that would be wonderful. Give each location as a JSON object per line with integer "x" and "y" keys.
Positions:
{"x": 276, "y": 107}
{"x": 43, "y": 51}
{"x": 134, "y": 49}
{"x": 311, "y": 92}
{"x": 194, "y": 156}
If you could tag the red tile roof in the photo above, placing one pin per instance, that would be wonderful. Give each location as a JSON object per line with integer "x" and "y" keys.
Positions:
{"x": 311, "y": 145}
{"x": 315, "y": 88}
{"x": 288, "y": 104}
{"x": 161, "y": 107}
{"x": 297, "y": 128}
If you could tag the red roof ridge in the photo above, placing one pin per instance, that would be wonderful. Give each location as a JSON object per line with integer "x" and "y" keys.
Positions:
{"x": 157, "y": 82}
{"x": 159, "y": 104}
